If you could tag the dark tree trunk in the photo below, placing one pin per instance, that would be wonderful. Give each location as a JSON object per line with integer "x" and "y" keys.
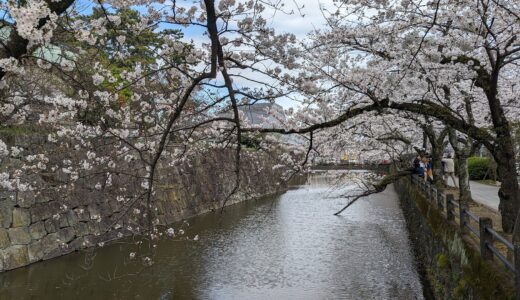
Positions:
{"x": 508, "y": 192}
{"x": 437, "y": 151}
{"x": 438, "y": 144}
{"x": 504, "y": 154}
{"x": 462, "y": 152}
{"x": 462, "y": 172}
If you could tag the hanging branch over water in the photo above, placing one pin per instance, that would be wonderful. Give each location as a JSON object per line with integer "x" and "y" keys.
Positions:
{"x": 379, "y": 187}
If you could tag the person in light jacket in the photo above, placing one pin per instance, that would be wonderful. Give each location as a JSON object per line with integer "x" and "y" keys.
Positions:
{"x": 449, "y": 170}
{"x": 429, "y": 169}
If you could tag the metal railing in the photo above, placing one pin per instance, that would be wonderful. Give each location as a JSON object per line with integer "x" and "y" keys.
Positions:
{"x": 458, "y": 213}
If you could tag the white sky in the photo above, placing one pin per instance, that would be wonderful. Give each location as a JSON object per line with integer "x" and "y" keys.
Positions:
{"x": 298, "y": 25}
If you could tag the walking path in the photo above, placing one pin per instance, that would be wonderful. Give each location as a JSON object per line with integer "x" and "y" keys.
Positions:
{"x": 484, "y": 194}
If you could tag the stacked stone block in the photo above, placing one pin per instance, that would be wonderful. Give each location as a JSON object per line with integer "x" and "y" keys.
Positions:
{"x": 37, "y": 226}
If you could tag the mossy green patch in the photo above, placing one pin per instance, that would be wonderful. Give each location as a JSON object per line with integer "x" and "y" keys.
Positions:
{"x": 442, "y": 260}
{"x": 12, "y": 131}
{"x": 454, "y": 268}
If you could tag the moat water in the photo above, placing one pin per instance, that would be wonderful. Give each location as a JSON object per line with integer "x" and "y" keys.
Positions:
{"x": 288, "y": 246}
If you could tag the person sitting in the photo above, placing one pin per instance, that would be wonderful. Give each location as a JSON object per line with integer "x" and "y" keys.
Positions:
{"x": 424, "y": 165}
{"x": 429, "y": 168}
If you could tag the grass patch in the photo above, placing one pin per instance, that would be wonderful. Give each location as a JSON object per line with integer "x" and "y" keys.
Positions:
{"x": 12, "y": 131}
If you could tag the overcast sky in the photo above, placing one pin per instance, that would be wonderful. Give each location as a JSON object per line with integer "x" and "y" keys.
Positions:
{"x": 300, "y": 22}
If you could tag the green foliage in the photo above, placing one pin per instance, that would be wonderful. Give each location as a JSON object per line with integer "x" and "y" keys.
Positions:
{"x": 138, "y": 47}
{"x": 251, "y": 142}
{"x": 479, "y": 167}
{"x": 442, "y": 260}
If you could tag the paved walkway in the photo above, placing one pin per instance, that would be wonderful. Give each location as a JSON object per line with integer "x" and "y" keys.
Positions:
{"x": 484, "y": 194}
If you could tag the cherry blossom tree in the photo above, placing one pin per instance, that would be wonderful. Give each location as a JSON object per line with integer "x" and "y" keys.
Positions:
{"x": 379, "y": 72}
{"x": 425, "y": 57}
{"x": 118, "y": 96}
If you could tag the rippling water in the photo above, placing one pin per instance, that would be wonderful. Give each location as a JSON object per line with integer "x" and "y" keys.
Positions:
{"x": 284, "y": 247}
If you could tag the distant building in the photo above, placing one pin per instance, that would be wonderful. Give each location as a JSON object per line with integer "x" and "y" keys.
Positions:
{"x": 268, "y": 115}
{"x": 263, "y": 115}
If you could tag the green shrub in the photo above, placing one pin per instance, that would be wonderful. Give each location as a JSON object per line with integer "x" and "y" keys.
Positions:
{"x": 478, "y": 168}
{"x": 251, "y": 142}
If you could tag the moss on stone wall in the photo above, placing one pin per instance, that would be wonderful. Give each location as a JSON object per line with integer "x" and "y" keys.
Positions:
{"x": 454, "y": 269}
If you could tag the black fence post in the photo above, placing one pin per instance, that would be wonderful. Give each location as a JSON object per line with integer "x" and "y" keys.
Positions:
{"x": 517, "y": 270}
{"x": 463, "y": 216}
{"x": 439, "y": 201}
{"x": 485, "y": 237}
{"x": 449, "y": 208}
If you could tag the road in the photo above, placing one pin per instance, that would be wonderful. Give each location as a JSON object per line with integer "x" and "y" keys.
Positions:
{"x": 484, "y": 194}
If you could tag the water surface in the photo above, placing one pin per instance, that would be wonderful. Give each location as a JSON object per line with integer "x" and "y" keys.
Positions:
{"x": 288, "y": 246}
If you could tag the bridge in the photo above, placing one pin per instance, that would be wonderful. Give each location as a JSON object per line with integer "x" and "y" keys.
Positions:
{"x": 352, "y": 166}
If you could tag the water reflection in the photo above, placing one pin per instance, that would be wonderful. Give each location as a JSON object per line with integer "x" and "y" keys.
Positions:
{"x": 284, "y": 247}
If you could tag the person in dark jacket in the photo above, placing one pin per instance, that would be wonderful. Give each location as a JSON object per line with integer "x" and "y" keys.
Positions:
{"x": 417, "y": 166}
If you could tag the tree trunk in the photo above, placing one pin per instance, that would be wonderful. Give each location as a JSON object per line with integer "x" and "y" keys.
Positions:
{"x": 504, "y": 153}
{"x": 424, "y": 141}
{"x": 463, "y": 150}
{"x": 462, "y": 172}
{"x": 437, "y": 143}
{"x": 437, "y": 151}
{"x": 508, "y": 192}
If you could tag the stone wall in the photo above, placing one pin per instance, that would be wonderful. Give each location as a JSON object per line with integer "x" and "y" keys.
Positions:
{"x": 450, "y": 266}
{"x": 53, "y": 221}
